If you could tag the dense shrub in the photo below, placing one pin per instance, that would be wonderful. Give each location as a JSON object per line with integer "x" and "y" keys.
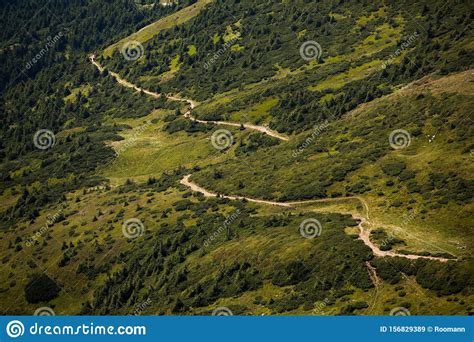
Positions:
{"x": 41, "y": 288}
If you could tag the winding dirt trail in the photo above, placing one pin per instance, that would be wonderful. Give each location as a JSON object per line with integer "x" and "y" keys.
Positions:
{"x": 373, "y": 274}
{"x": 196, "y": 188}
{"x": 192, "y": 104}
{"x": 364, "y": 234}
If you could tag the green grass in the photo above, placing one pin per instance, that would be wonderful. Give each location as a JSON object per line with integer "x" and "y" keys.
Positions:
{"x": 237, "y": 48}
{"x": 257, "y": 113}
{"x": 151, "y": 151}
{"x": 192, "y": 50}
{"x": 88, "y": 231}
{"x": 353, "y": 74}
{"x": 365, "y": 19}
{"x": 93, "y": 223}
{"x": 435, "y": 230}
{"x": 277, "y": 243}
{"x": 155, "y": 151}
{"x": 231, "y": 34}
{"x": 148, "y": 32}
{"x": 386, "y": 37}
{"x": 84, "y": 90}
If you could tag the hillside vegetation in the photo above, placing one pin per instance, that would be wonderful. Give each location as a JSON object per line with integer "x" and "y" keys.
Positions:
{"x": 367, "y": 149}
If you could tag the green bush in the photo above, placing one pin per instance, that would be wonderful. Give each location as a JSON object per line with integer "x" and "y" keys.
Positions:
{"x": 394, "y": 168}
{"x": 41, "y": 288}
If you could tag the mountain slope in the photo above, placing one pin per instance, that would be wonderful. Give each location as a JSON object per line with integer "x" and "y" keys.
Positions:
{"x": 334, "y": 186}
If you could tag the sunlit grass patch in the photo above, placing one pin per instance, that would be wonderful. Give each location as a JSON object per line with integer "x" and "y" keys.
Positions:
{"x": 353, "y": 74}
{"x": 257, "y": 113}
{"x": 148, "y": 32}
{"x": 192, "y": 50}
{"x": 231, "y": 34}
{"x": 365, "y": 19}
{"x": 83, "y": 90}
